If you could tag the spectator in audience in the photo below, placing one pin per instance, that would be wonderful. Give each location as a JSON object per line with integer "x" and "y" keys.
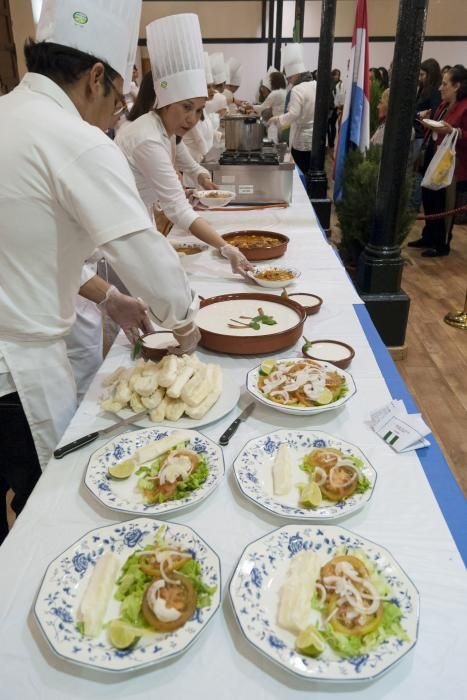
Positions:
{"x": 336, "y": 105}
{"x": 437, "y": 234}
{"x": 378, "y": 136}
{"x": 384, "y": 77}
{"x": 428, "y": 99}
{"x": 374, "y": 74}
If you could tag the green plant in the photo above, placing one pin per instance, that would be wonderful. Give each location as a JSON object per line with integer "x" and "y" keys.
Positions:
{"x": 356, "y": 209}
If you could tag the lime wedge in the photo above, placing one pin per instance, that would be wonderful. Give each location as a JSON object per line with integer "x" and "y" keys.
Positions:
{"x": 267, "y": 366}
{"x": 121, "y": 634}
{"x": 310, "y": 642}
{"x": 325, "y": 397}
{"x": 311, "y": 496}
{"x": 122, "y": 470}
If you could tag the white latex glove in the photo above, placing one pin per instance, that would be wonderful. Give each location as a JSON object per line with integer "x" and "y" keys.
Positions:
{"x": 129, "y": 313}
{"x": 237, "y": 260}
{"x": 274, "y": 120}
{"x": 187, "y": 338}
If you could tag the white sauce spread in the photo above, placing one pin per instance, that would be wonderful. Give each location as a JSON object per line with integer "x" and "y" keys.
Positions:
{"x": 160, "y": 341}
{"x": 304, "y": 299}
{"x": 328, "y": 351}
{"x": 158, "y": 605}
{"x": 174, "y": 467}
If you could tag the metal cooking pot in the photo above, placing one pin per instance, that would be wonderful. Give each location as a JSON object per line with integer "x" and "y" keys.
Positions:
{"x": 243, "y": 133}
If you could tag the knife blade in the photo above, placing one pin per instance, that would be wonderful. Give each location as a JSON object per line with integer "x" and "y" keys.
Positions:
{"x": 225, "y": 437}
{"x": 87, "y": 439}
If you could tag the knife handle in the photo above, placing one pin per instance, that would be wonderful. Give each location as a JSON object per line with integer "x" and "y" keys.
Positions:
{"x": 225, "y": 437}
{"x": 75, "y": 445}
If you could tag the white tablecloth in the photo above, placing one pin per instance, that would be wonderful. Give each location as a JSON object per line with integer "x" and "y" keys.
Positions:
{"x": 402, "y": 516}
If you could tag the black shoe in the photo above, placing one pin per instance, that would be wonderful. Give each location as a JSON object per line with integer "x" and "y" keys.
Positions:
{"x": 432, "y": 253}
{"x": 418, "y": 244}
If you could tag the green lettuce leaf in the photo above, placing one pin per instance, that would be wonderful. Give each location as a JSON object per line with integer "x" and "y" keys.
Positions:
{"x": 192, "y": 570}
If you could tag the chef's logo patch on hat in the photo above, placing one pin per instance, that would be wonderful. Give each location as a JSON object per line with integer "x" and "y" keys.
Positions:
{"x": 164, "y": 84}
{"x": 80, "y": 18}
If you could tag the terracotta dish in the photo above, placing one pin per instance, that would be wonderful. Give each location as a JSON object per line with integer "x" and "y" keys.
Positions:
{"x": 156, "y": 345}
{"x": 333, "y": 351}
{"x": 258, "y": 245}
{"x": 310, "y": 302}
{"x": 224, "y": 323}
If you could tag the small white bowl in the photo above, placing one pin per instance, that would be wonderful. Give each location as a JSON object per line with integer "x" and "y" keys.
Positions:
{"x": 206, "y": 198}
{"x": 274, "y": 284}
{"x": 179, "y": 249}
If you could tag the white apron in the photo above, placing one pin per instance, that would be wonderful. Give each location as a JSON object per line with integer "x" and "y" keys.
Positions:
{"x": 44, "y": 381}
{"x": 84, "y": 344}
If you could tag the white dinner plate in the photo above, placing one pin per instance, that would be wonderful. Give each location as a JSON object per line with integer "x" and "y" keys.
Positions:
{"x": 224, "y": 404}
{"x": 67, "y": 576}
{"x": 121, "y": 494}
{"x": 253, "y": 471}
{"x": 252, "y": 388}
{"x": 255, "y": 588}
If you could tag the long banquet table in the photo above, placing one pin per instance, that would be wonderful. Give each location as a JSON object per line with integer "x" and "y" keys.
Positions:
{"x": 417, "y": 513}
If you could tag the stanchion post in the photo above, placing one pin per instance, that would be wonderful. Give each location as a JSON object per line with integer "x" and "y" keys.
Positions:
{"x": 316, "y": 179}
{"x": 458, "y": 319}
{"x": 379, "y": 273}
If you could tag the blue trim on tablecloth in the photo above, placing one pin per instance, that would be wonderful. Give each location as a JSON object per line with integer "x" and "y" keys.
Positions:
{"x": 443, "y": 484}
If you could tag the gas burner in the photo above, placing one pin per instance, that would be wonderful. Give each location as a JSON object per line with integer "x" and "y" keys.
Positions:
{"x": 248, "y": 157}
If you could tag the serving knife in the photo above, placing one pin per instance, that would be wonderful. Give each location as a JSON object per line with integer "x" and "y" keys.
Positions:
{"x": 87, "y": 439}
{"x": 225, "y": 437}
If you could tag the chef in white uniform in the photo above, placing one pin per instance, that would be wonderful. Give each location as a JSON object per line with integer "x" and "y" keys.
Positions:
{"x": 219, "y": 71}
{"x": 152, "y": 143}
{"x": 65, "y": 191}
{"x": 200, "y": 139}
{"x": 301, "y": 108}
{"x": 235, "y": 75}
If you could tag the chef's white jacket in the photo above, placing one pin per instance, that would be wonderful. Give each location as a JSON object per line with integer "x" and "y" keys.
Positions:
{"x": 65, "y": 190}
{"x": 300, "y": 115}
{"x": 154, "y": 158}
{"x": 275, "y": 101}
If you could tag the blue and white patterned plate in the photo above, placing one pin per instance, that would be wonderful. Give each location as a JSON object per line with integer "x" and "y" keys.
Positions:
{"x": 252, "y": 388}
{"x": 255, "y": 588}
{"x": 121, "y": 495}
{"x": 67, "y": 576}
{"x": 253, "y": 471}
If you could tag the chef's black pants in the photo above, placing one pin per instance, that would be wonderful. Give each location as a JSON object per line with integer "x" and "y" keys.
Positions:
{"x": 302, "y": 159}
{"x": 19, "y": 465}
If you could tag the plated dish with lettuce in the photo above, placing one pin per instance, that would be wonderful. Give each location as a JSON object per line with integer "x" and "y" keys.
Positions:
{"x": 155, "y": 471}
{"x": 300, "y": 386}
{"x": 129, "y": 595}
{"x": 305, "y": 474}
{"x": 325, "y": 603}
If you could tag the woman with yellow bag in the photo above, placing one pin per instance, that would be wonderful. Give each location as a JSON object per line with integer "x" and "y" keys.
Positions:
{"x": 440, "y": 185}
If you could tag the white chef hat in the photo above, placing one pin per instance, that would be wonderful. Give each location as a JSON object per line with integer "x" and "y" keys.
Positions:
{"x": 292, "y": 57}
{"x": 217, "y": 103}
{"x": 267, "y": 80}
{"x": 234, "y": 67}
{"x": 219, "y": 72}
{"x": 207, "y": 68}
{"x": 177, "y": 62}
{"x": 106, "y": 29}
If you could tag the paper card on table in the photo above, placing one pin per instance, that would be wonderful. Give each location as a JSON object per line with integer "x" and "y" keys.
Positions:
{"x": 400, "y": 430}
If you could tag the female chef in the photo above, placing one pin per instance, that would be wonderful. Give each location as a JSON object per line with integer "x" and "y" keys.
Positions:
{"x": 153, "y": 145}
